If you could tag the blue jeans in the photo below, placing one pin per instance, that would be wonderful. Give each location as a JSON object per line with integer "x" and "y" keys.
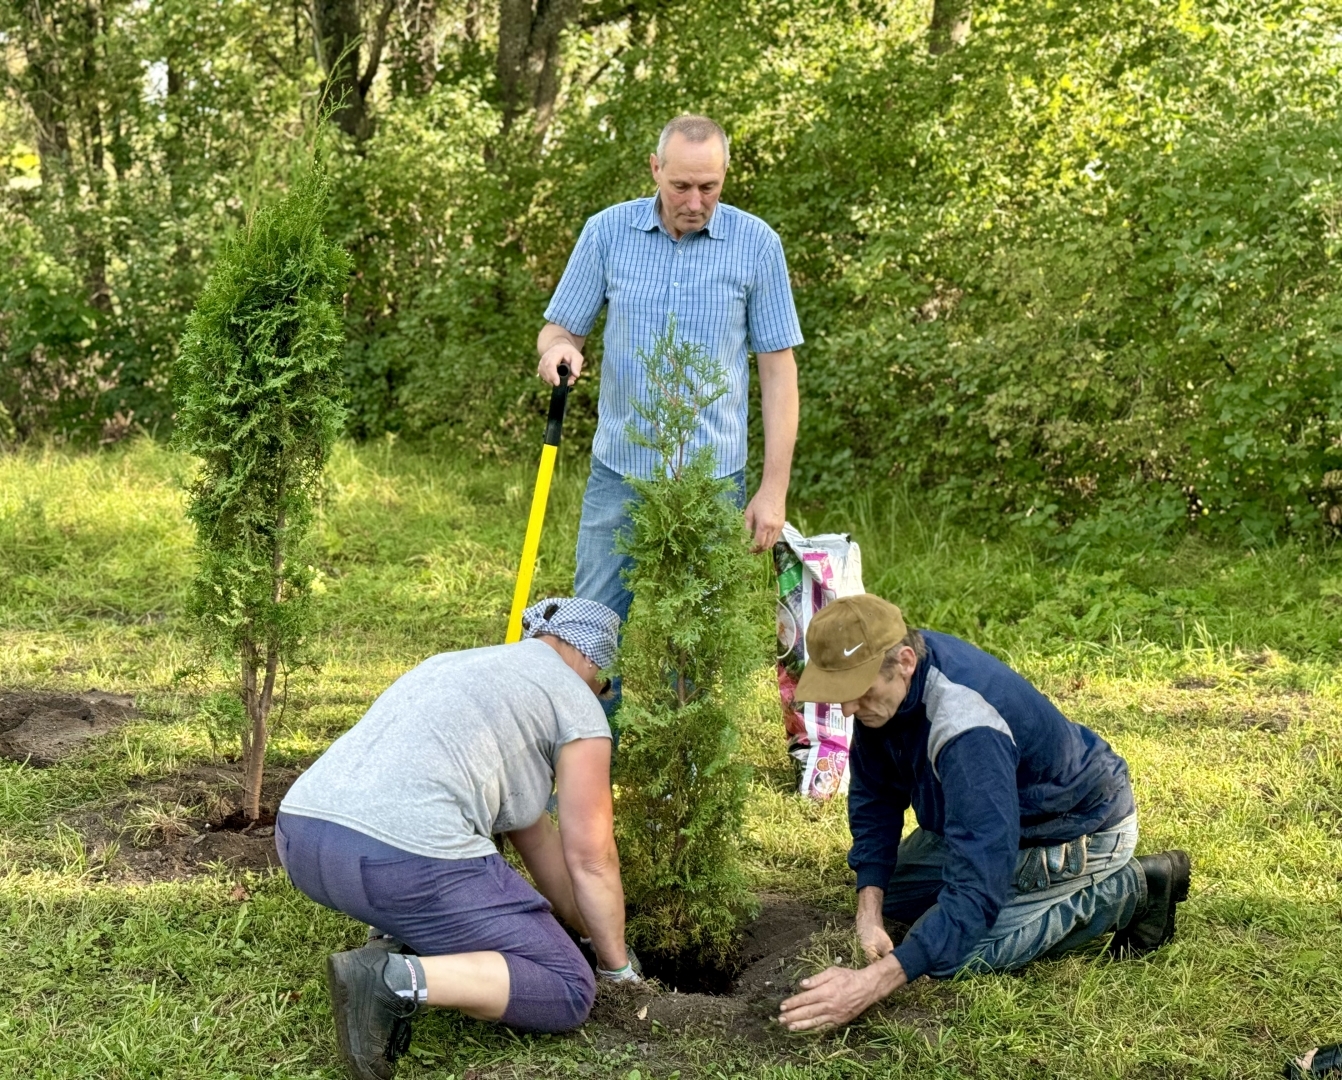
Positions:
{"x": 1063, "y": 896}
{"x": 605, "y": 516}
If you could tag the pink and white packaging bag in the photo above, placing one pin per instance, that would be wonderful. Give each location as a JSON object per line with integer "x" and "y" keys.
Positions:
{"x": 812, "y": 571}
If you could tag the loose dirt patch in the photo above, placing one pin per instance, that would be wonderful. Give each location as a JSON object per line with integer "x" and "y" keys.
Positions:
{"x": 781, "y": 946}
{"x": 41, "y": 728}
{"x": 175, "y": 827}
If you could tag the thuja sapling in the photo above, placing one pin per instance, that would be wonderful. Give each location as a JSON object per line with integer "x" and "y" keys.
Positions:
{"x": 258, "y": 391}
{"x": 697, "y": 631}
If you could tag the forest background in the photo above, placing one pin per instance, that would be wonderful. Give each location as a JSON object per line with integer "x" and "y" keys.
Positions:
{"x": 1056, "y": 262}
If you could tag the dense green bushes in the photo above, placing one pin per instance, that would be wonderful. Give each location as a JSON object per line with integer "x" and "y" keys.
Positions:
{"x": 1086, "y": 261}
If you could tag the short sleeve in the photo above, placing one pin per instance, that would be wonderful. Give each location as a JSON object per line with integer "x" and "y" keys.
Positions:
{"x": 578, "y": 299}
{"x": 771, "y": 316}
{"x": 579, "y": 712}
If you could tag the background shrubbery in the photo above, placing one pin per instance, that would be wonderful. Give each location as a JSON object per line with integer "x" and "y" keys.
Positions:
{"x": 1083, "y": 266}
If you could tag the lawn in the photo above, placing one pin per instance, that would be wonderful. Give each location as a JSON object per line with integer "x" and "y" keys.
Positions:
{"x": 1210, "y": 668}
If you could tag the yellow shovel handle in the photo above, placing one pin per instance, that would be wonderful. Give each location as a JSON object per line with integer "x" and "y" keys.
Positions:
{"x": 531, "y": 545}
{"x": 554, "y": 424}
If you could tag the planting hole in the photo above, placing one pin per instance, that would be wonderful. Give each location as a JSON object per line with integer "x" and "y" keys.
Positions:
{"x": 686, "y": 975}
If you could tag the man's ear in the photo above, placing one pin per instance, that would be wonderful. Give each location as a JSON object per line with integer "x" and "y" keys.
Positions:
{"x": 908, "y": 661}
{"x": 654, "y": 165}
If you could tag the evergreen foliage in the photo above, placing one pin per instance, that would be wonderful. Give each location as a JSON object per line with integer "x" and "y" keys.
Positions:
{"x": 696, "y": 631}
{"x": 259, "y": 401}
{"x": 1082, "y": 268}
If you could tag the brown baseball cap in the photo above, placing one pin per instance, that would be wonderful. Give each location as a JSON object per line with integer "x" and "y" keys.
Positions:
{"x": 845, "y": 644}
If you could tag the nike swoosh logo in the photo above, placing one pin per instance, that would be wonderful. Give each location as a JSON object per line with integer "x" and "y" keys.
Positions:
{"x": 849, "y": 652}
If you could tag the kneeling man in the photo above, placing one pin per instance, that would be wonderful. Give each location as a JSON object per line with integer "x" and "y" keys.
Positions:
{"x": 394, "y": 826}
{"x": 1026, "y": 821}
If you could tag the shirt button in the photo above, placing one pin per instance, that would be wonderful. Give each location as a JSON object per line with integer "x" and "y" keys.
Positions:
{"x": 675, "y": 284}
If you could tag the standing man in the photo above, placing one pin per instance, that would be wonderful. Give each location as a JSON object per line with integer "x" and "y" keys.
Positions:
{"x": 721, "y": 275}
{"x": 1026, "y": 821}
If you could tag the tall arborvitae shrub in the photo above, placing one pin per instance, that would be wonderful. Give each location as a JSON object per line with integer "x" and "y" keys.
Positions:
{"x": 697, "y": 630}
{"x": 258, "y": 390}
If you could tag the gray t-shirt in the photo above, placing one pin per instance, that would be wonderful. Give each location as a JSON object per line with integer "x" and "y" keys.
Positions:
{"x": 462, "y": 747}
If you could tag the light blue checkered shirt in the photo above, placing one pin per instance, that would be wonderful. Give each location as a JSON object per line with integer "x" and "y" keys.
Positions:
{"x": 727, "y": 287}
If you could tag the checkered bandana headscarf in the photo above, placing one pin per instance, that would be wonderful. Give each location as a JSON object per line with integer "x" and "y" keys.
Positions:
{"x": 591, "y": 628}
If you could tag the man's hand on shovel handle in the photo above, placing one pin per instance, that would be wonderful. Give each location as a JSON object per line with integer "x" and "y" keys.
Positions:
{"x": 557, "y": 346}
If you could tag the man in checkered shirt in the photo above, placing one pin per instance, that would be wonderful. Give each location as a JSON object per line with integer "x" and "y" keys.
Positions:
{"x": 721, "y": 275}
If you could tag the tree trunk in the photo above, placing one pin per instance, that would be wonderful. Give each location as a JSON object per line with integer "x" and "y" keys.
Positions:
{"x": 339, "y": 37}
{"x": 45, "y": 93}
{"x": 950, "y": 25}
{"x": 527, "y": 63}
{"x": 63, "y": 87}
{"x": 414, "y": 52}
{"x": 260, "y": 699}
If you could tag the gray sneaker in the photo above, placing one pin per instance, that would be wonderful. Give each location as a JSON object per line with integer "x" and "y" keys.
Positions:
{"x": 372, "y": 1023}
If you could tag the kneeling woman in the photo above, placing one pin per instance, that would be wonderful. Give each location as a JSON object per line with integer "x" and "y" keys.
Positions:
{"x": 393, "y": 825}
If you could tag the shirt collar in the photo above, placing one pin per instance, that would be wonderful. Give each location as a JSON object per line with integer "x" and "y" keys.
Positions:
{"x": 649, "y": 218}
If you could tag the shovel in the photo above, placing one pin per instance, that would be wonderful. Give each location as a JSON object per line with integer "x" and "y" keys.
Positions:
{"x": 553, "y": 425}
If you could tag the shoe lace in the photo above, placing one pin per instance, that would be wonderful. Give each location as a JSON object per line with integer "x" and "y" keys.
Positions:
{"x": 399, "y": 1040}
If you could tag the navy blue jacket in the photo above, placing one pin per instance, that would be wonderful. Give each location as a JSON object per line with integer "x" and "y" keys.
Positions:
{"x": 991, "y": 765}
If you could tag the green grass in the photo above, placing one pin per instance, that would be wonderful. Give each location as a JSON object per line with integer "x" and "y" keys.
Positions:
{"x": 1211, "y": 669}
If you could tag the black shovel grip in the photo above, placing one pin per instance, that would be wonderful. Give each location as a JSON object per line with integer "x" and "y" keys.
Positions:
{"x": 554, "y": 423}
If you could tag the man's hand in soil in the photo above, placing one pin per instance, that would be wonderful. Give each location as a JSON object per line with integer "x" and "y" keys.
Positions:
{"x": 870, "y": 924}
{"x": 838, "y": 995}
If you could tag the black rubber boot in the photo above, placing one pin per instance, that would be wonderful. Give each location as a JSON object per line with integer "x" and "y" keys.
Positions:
{"x": 372, "y": 1023}
{"x": 1167, "y": 875}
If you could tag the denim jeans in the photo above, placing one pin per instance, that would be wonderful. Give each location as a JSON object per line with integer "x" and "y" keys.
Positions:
{"x": 605, "y": 516}
{"x": 1063, "y": 896}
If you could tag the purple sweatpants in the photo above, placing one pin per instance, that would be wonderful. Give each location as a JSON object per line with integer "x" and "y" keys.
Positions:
{"x": 443, "y": 906}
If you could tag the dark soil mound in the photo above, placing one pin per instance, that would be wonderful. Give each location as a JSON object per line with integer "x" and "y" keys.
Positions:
{"x": 181, "y": 824}
{"x": 783, "y": 945}
{"x": 41, "y": 728}
{"x": 769, "y": 969}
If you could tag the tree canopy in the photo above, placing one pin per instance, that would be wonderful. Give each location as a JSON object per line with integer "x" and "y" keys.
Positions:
{"x": 1050, "y": 258}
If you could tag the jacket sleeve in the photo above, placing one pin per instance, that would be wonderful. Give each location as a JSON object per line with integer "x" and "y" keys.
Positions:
{"x": 978, "y": 779}
{"x": 876, "y": 806}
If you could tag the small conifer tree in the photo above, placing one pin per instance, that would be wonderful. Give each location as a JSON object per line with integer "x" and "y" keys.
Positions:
{"x": 258, "y": 390}
{"x": 696, "y": 632}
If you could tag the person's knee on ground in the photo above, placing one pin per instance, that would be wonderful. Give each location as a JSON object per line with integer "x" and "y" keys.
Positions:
{"x": 557, "y": 996}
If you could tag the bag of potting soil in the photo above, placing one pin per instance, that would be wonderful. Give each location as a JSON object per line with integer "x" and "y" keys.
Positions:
{"x": 812, "y": 571}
